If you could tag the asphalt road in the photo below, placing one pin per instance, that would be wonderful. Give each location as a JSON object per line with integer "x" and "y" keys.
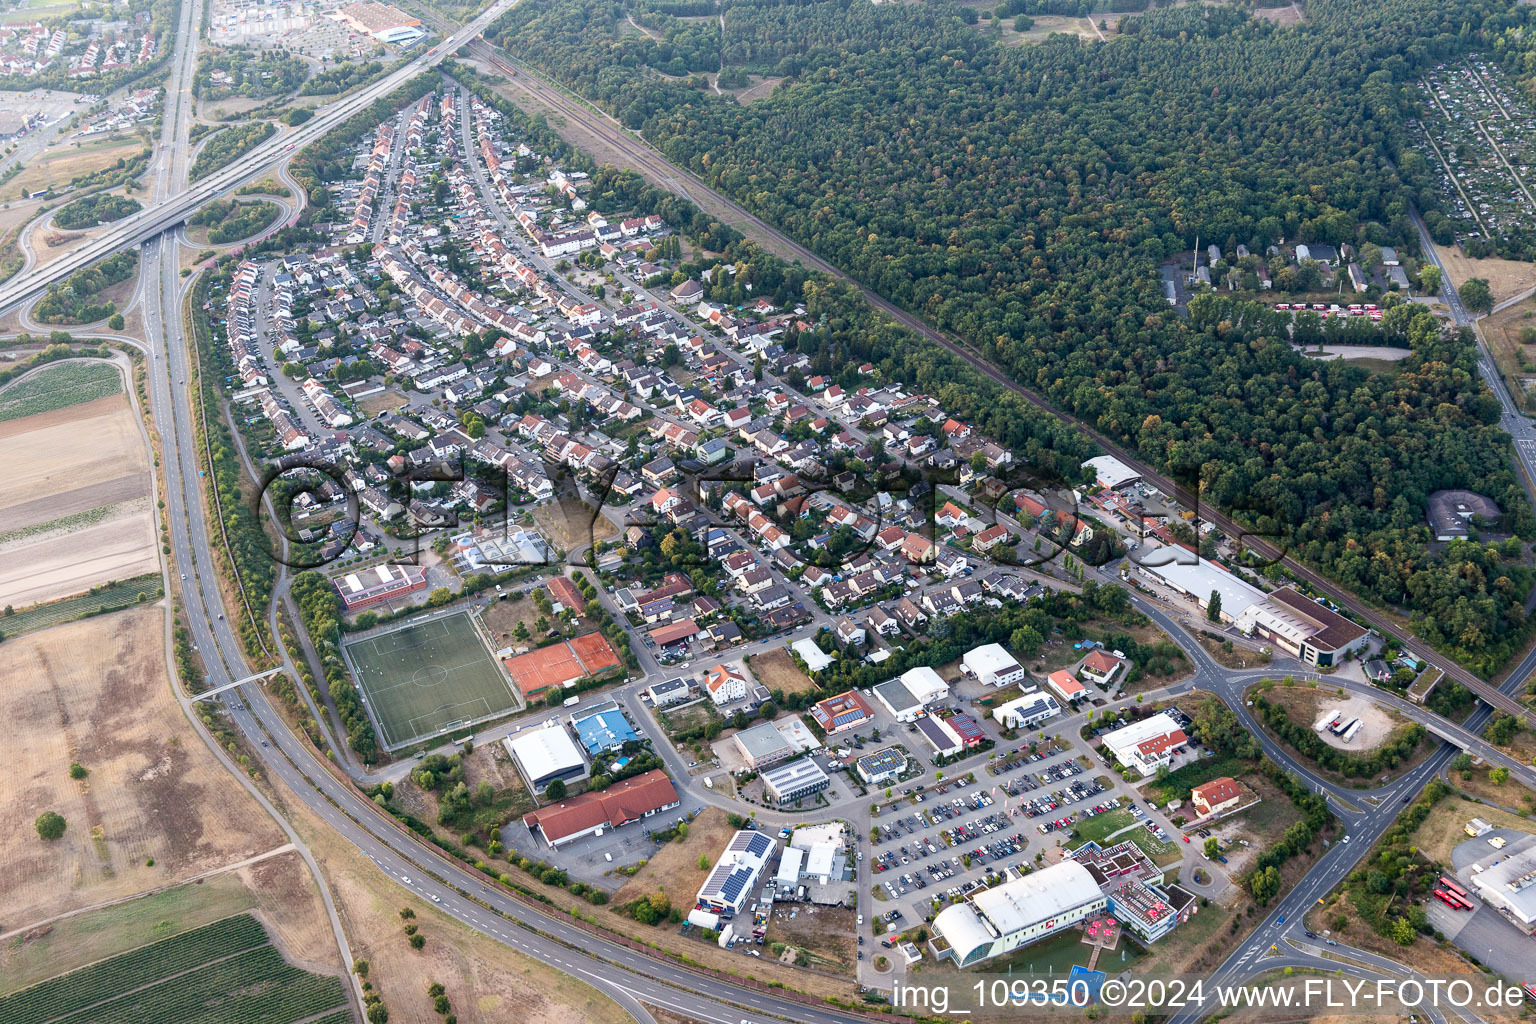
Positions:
{"x": 623, "y": 974}
{"x": 178, "y": 204}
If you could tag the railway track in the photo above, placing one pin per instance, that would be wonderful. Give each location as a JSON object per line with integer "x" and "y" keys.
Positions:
{"x": 645, "y": 158}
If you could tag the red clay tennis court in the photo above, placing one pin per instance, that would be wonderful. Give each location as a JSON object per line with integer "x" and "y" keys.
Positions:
{"x": 561, "y": 663}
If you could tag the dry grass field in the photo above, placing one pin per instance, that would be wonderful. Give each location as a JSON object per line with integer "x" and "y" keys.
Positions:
{"x": 571, "y": 523}
{"x": 486, "y": 982}
{"x": 62, "y": 463}
{"x": 1504, "y": 332}
{"x": 674, "y": 868}
{"x": 1505, "y": 277}
{"x": 56, "y": 167}
{"x": 776, "y": 669}
{"x": 373, "y": 405}
{"x": 96, "y": 693}
{"x": 1442, "y": 832}
{"x": 279, "y": 890}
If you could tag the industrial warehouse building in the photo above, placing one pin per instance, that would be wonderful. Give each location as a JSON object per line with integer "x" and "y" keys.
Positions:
{"x": 906, "y": 696}
{"x": 763, "y": 745}
{"x": 786, "y": 783}
{"x": 381, "y": 21}
{"x": 1111, "y": 473}
{"x": 1299, "y": 626}
{"x": 1510, "y": 885}
{"x": 1000, "y": 919}
{"x": 621, "y": 803}
{"x": 992, "y": 665}
{"x": 735, "y": 875}
{"x": 544, "y": 755}
{"x": 1197, "y": 579}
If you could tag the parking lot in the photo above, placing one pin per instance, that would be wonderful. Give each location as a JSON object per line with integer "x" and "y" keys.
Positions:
{"x": 945, "y": 840}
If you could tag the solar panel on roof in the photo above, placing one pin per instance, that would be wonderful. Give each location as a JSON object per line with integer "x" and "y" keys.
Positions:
{"x": 759, "y": 844}
{"x": 734, "y": 884}
{"x": 846, "y": 717}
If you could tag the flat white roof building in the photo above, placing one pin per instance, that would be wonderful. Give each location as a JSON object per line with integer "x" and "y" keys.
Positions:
{"x": 1027, "y": 711}
{"x": 828, "y": 833}
{"x": 1199, "y": 579}
{"x": 544, "y": 755}
{"x": 1111, "y": 472}
{"x": 1148, "y": 744}
{"x": 926, "y": 684}
{"x": 814, "y": 657}
{"x": 906, "y": 696}
{"x": 1511, "y": 884}
{"x": 1003, "y": 918}
{"x": 993, "y": 665}
{"x": 788, "y": 875}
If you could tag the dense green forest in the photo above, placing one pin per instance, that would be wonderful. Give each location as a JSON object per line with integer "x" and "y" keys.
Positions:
{"x": 75, "y": 300}
{"x": 229, "y": 220}
{"x": 98, "y": 209}
{"x": 229, "y": 144}
{"x": 1023, "y": 199}
{"x": 341, "y": 77}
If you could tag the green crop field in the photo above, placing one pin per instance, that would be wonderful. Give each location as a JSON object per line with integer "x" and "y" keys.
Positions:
{"x": 105, "y": 598}
{"x": 57, "y": 386}
{"x": 426, "y": 677}
{"x": 227, "y": 972}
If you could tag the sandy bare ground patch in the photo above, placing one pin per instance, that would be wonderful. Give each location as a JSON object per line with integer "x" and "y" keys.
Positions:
{"x": 1505, "y": 278}
{"x": 777, "y": 670}
{"x": 45, "y": 567}
{"x": 1290, "y": 14}
{"x": 59, "y": 451}
{"x": 96, "y": 693}
{"x": 1305, "y": 704}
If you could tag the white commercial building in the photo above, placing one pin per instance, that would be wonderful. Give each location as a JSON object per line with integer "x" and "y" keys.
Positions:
{"x": 1000, "y": 919}
{"x": 814, "y": 657}
{"x": 1111, "y": 472}
{"x": 1149, "y": 744}
{"x": 993, "y": 665}
{"x": 544, "y": 755}
{"x": 1198, "y": 580}
{"x": 670, "y": 692}
{"x": 1510, "y": 885}
{"x": 1027, "y": 711}
{"x": 906, "y": 696}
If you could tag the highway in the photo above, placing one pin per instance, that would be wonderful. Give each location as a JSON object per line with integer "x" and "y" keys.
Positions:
{"x": 624, "y": 974}
{"x": 177, "y": 204}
